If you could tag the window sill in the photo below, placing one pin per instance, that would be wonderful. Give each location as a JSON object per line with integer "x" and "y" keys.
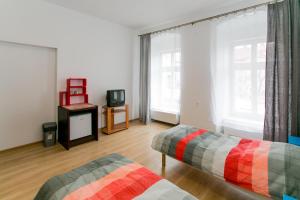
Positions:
{"x": 244, "y": 125}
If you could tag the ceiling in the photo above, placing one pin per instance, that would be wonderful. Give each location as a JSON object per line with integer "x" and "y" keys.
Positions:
{"x": 139, "y": 14}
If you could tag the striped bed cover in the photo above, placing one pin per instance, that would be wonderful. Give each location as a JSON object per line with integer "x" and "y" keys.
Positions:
{"x": 268, "y": 168}
{"x": 111, "y": 177}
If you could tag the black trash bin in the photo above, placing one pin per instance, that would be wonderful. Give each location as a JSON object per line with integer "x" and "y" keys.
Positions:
{"x": 49, "y": 130}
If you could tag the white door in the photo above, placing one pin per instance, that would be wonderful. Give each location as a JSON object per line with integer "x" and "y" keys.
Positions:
{"x": 27, "y": 92}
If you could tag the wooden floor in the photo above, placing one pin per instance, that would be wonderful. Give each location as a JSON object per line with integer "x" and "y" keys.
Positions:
{"x": 25, "y": 169}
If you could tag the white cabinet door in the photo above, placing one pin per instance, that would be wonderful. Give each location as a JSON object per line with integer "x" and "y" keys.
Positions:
{"x": 80, "y": 126}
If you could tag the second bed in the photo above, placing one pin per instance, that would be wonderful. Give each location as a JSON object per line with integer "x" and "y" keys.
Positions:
{"x": 267, "y": 168}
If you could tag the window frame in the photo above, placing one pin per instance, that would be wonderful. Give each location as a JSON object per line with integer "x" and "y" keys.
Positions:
{"x": 173, "y": 69}
{"x": 254, "y": 66}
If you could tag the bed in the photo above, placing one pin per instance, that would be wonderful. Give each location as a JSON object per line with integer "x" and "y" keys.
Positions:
{"x": 111, "y": 177}
{"x": 271, "y": 169}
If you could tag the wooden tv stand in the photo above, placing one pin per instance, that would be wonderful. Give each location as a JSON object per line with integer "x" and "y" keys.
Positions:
{"x": 109, "y": 113}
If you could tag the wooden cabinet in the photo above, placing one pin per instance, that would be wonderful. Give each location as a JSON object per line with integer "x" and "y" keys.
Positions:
{"x": 109, "y": 113}
{"x": 77, "y": 124}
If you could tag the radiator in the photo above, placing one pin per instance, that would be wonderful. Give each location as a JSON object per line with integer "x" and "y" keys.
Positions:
{"x": 171, "y": 118}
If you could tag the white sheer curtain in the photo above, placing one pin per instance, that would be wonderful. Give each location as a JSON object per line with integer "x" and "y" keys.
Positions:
{"x": 238, "y": 70}
{"x": 165, "y": 72}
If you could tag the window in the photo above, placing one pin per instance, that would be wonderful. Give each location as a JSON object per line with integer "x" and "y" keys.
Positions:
{"x": 165, "y": 73}
{"x": 238, "y": 56}
{"x": 170, "y": 82}
{"x": 247, "y": 79}
{"x": 166, "y": 98}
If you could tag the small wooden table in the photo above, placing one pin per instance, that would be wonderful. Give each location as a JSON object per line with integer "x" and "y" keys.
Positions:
{"x": 109, "y": 113}
{"x": 65, "y": 113}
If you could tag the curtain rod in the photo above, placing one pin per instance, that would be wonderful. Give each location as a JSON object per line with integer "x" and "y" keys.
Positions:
{"x": 209, "y": 18}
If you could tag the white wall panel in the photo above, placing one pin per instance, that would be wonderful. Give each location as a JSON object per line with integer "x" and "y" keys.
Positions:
{"x": 28, "y": 91}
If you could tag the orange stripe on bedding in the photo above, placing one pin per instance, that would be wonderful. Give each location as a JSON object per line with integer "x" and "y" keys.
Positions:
{"x": 260, "y": 177}
{"x": 92, "y": 188}
{"x": 134, "y": 184}
{"x": 238, "y": 165}
{"x": 181, "y": 145}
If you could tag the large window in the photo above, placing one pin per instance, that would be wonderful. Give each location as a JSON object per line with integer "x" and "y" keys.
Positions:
{"x": 247, "y": 79}
{"x": 238, "y": 71}
{"x": 165, "y": 73}
{"x": 170, "y": 82}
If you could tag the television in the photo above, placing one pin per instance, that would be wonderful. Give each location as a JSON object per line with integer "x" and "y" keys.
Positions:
{"x": 115, "y": 98}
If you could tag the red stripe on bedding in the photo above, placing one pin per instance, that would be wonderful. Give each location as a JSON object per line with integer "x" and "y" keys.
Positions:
{"x": 239, "y": 163}
{"x": 89, "y": 190}
{"x": 260, "y": 175}
{"x": 132, "y": 185}
{"x": 181, "y": 145}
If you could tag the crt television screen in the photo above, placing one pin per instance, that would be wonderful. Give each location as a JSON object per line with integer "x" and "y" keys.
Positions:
{"x": 115, "y": 98}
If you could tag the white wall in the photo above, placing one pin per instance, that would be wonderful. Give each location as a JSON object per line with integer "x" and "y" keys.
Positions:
{"x": 136, "y": 77}
{"x": 86, "y": 46}
{"x": 28, "y": 92}
{"x": 195, "y": 75}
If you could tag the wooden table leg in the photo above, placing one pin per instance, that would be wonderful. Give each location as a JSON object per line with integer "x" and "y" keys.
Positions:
{"x": 127, "y": 116}
{"x": 108, "y": 120}
{"x": 112, "y": 119}
{"x": 163, "y": 160}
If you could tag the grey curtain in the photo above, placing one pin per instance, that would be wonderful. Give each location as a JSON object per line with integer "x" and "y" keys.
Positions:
{"x": 283, "y": 71}
{"x": 145, "y": 64}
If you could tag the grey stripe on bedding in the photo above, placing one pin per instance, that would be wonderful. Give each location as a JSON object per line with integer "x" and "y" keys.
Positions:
{"x": 62, "y": 185}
